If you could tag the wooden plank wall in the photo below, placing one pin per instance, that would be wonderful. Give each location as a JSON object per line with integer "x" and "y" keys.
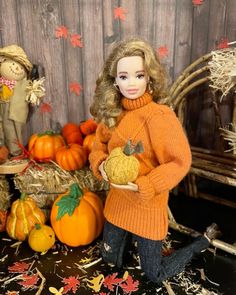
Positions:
{"x": 188, "y": 31}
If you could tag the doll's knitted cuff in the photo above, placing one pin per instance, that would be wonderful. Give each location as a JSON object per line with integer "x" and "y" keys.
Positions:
{"x": 145, "y": 188}
{"x": 95, "y": 160}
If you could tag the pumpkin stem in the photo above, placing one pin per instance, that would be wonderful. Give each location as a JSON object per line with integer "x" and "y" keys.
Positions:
{"x": 70, "y": 201}
{"x": 37, "y": 226}
{"x": 48, "y": 132}
{"x": 131, "y": 149}
{"x": 23, "y": 196}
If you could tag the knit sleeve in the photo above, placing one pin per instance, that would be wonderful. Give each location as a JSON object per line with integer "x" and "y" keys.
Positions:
{"x": 99, "y": 151}
{"x": 172, "y": 151}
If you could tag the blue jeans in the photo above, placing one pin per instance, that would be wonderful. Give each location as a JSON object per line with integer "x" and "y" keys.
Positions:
{"x": 157, "y": 268}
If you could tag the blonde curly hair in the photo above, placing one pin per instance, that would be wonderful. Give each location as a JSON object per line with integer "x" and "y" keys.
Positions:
{"x": 106, "y": 106}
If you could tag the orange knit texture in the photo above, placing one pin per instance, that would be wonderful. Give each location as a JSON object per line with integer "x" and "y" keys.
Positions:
{"x": 163, "y": 164}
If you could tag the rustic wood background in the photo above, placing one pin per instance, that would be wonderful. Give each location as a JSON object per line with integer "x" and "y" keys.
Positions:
{"x": 187, "y": 30}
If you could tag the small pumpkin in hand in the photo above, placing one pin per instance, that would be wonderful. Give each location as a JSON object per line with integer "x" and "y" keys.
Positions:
{"x": 23, "y": 216}
{"x": 71, "y": 157}
{"x": 41, "y": 238}
{"x": 121, "y": 166}
{"x": 43, "y": 147}
{"x": 88, "y": 127}
{"x": 77, "y": 217}
{"x": 72, "y": 134}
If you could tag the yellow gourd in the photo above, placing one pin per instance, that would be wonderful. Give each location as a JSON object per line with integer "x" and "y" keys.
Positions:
{"x": 41, "y": 238}
{"x": 121, "y": 166}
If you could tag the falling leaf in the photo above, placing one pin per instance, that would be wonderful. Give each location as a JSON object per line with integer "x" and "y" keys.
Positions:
{"x": 18, "y": 267}
{"x": 55, "y": 291}
{"x": 75, "y": 40}
{"x": 62, "y": 32}
{"x": 224, "y": 43}
{"x": 72, "y": 284}
{"x": 45, "y": 108}
{"x": 162, "y": 51}
{"x": 130, "y": 285}
{"x": 96, "y": 282}
{"x": 197, "y": 2}
{"x": 29, "y": 282}
{"x": 75, "y": 87}
{"x": 111, "y": 280}
{"x": 119, "y": 12}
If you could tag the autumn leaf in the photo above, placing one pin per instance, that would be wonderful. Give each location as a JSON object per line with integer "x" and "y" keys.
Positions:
{"x": 29, "y": 281}
{"x": 72, "y": 284}
{"x": 12, "y": 293}
{"x": 119, "y": 13}
{"x": 45, "y": 108}
{"x": 75, "y": 40}
{"x": 18, "y": 267}
{"x": 112, "y": 280}
{"x": 162, "y": 51}
{"x": 197, "y": 2}
{"x": 75, "y": 87}
{"x": 224, "y": 43}
{"x": 130, "y": 285}
{"x": 62, "y": 32}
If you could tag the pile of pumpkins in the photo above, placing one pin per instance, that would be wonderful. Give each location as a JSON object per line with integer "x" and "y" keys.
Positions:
{"x": 76, "y": 217}
{"x": 70, "y": 148}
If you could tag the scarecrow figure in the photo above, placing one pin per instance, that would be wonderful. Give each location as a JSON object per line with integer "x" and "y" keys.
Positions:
{"x": 17, "y": 90}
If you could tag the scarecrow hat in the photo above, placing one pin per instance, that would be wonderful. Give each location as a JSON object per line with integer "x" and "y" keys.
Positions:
{"x": 16, "y": 53}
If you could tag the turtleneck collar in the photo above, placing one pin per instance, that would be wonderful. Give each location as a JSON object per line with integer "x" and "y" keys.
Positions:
{"x": 132, "y": 104}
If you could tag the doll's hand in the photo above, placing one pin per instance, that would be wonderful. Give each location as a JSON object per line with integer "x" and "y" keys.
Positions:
{"x": 130, "y": 186}
{"x": 102, "y": 171}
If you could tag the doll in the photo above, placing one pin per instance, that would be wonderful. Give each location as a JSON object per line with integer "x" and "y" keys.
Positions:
{"x": 127, "y": 107}
{"x": 16, "y": 91}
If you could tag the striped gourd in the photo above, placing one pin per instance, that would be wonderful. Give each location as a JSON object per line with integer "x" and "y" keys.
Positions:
{"x": 22, "y": 218}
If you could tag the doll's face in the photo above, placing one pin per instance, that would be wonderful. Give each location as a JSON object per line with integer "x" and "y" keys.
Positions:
{"x": 12, "y": 70}
{"x": 131, "y": 77}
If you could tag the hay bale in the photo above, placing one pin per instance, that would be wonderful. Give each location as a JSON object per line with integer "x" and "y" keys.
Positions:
{"x": 4, "y": 193}
{"x": 45, "y": 182}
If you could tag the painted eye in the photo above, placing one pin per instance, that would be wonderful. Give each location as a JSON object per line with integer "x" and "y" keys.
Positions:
{"x": 123, "y": 77}
{"x": 140, "y": 76}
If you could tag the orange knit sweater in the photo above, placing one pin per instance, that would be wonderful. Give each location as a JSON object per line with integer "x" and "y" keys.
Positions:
{"x": 165, "y": 161}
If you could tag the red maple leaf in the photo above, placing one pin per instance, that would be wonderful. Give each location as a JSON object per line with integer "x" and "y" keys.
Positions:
{"x": 29, "y": 281}
{"x": 119, "y": 12}
{"x": 45, "y": 108}
{"x": 130, "y": 285}
{"x": 197, "y": 2}
{"x": 61, "y": 32}
{"x": 72, "y": 284}
{"x": 75, "y": 40}
{"x": 112, "y": 280}
{"x": 18, "y": 267}
{"x": 224, "y": 43}
{"x": 162, "y": 51}
{"x": 75, "y": 87}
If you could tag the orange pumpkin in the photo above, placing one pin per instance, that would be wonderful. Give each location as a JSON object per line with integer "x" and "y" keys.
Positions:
{"x": 87, "y": 127}
{"x": 43, "y": 147}
{"x": 71, "y": 157}
{"x": 22, "y": 218}
{"x": 3, "y": 219}
{"x": 72, "y": 134}
{"x": 77, "y": 217}
{"x": 88, "y": 142}
{"x": 4, "y": 152}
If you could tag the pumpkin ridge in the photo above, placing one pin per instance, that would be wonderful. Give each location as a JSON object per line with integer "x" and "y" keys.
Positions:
{"x": 34, "y": 213}
{"x": 24, "y": 217}
{"x": 94, "y": 213}
{"x": 13, "y": 219}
